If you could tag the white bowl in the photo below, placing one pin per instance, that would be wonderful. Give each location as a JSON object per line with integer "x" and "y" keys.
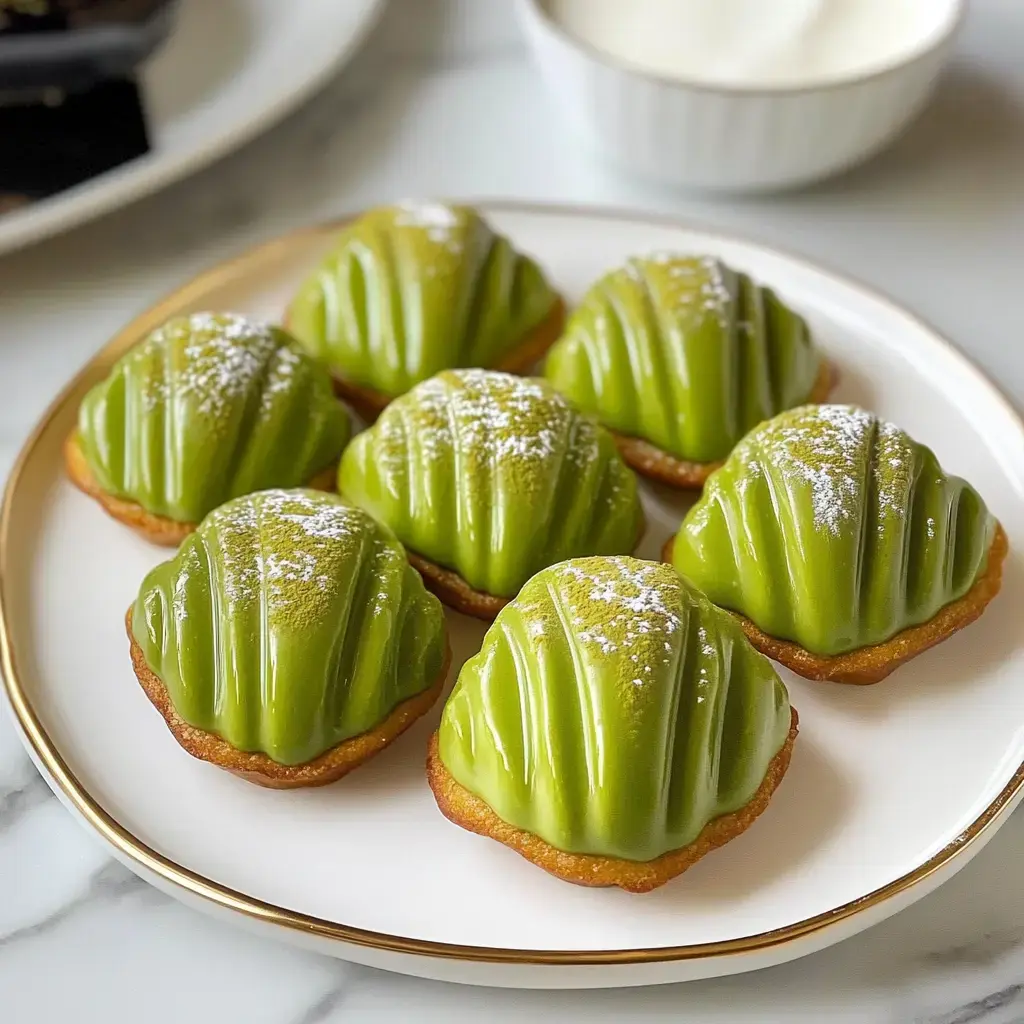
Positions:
{"x": 699, "y": 135}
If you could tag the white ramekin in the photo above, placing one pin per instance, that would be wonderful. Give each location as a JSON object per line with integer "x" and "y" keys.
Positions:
{"x": 702, "y": 136}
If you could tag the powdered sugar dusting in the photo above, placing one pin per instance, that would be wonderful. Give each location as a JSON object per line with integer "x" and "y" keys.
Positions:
{"x": 826, "y": 447}
{"x": 692, "y": 285}
{"x": 487, "y": 416}
{"x": 281, "y": 377}
{"x": 439, "y": 222}
{"x": 682, "y": 266}
{"x": 894, "y": 474}
{"x": 215, "y": 357}
{"x": 623, "y": 605}
{"x": 707, "y": 648}
{"x": 320, "y": 522}
{"x": 715, "y": 297}
{"x": 224, "y": 355}
{"x": 288, "y": 545}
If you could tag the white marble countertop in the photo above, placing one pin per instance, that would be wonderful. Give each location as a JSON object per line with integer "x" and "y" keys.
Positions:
{"x": 444, "y": 100}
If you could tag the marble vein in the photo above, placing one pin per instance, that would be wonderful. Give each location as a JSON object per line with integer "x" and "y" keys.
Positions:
{"x": 110, "y": 883}
{"x": 325, "y": 1006}
{"x": 981, "y": 1009}
{"x": 443, "y": 101}
{"x": 17, "y": 802}
{"x": 985, "y": 950}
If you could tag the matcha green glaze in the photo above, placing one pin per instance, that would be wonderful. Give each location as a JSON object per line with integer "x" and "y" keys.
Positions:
{"x": 614, "y": 710}
{"x": 494, "y": 476}
{"x": 412, "y": 289}
{"x": 289, "y": 622}
{"x": 208, "y": 407}
{"x": 684, "y": 353}
{"x": 834, "y": 529}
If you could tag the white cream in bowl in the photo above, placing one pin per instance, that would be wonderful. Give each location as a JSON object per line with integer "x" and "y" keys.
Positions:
{"x": 740, "y": 95}
{"x": 756, "y": 43}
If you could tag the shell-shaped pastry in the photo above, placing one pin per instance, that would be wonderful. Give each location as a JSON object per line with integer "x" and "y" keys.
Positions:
{"x": 208, "y": 407}
{"x": 614, "y": 710}
{"x": 684, "y": 353}
{"x": 834, "y": 529}
{"x": 412, "y": 289}
{"x": 289, "y": 622}
{"x": 494, "y": 476}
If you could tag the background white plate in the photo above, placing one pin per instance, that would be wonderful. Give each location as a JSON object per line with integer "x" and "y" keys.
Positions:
{"x": 229, "y": 70}
{"x": 892, "y": 788}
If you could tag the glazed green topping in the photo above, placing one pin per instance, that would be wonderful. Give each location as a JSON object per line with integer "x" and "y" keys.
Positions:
{"x": 289, "y": 622}
{"x": 832, "y": 528}
{"x": 208, "y": 407}
{"x": 684, "y": 353}
{"x": 416, "y": 288}
{"x": 614, "y": 710}
{"x": 494, "y": 476}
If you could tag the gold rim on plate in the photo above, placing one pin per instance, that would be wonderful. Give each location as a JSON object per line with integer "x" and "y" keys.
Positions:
{"x": 135, "y": 852}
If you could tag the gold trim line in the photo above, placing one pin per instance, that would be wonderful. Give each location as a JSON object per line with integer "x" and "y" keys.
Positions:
{"x": 133, "y": 850}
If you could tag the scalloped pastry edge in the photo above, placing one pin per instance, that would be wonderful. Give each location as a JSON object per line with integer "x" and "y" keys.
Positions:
{"x": 452, "y": 590}
{"x": 467, "y": 810}
{"x": 156, "y": 529}
{"x": 657, "y": 464}
{"x": 866, "y": 665}
{"x": 262, "y": 770}
{"x": 369, "y": 403}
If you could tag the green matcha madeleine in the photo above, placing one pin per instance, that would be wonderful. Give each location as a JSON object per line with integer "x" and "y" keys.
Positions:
{"x": 613, "y": 712}
{"x": 412, "y": 289}
{"x": 289, "y": 623}
{"x": 208, "y": 407}
{"x": 834, "y": 530}
{"x": 686, "y": 354}
{"x": 494, "y": 477}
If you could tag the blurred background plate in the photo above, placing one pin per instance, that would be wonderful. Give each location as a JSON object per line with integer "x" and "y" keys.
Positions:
{"x": 230, "y": 69}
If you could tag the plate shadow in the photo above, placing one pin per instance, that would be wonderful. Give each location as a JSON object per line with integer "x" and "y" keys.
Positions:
{"x": 976, "y": 650}
{"x": 810, "y": 804}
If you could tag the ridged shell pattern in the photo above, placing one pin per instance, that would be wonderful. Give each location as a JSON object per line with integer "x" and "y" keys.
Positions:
{"x": 494, "y": 476}
{"x": 289, "y": 622}
{"x": 208, "y": 407}
{"x": 832, "y": 528}
{"x": 685, "y": 353}
{"x": 614, "y": 710}
{"x": 416, "y": 288}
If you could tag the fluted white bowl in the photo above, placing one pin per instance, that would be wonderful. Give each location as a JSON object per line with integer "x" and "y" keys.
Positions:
{"x": 701, "y": 135}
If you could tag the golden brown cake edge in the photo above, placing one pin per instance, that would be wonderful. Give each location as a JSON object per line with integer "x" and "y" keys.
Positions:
{"x": 455, "y": 592}
{"x": 657, "y": 464}
{"x": 156, "y": 529}
{"x": 470, "y": 812}
{"x": 370, "y": 403}
{"x": 867, "y": 665}
{"x": 262, "y": 770}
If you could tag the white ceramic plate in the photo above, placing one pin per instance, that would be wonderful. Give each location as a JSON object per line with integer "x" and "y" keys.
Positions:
{"x": 229, "y": 70}
{"x": 892, "y": 788}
